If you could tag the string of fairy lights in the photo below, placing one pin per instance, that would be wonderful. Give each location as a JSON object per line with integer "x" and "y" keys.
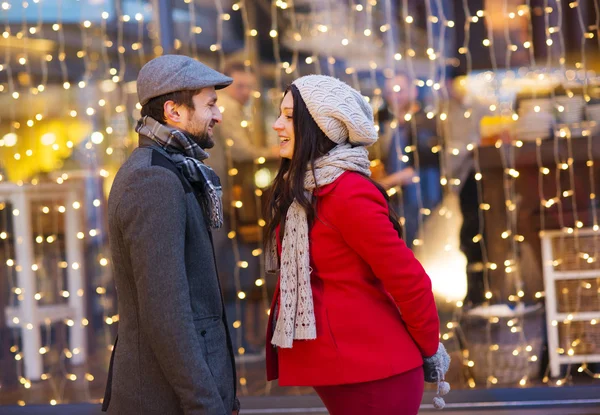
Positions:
{"x": 274, "y": 33}
{"x": 513, "y": 263}
{"x": 260, "y": 281}
{"x": 104, "y": 95}
{"x": 233, "y": 234}
{"x": 409, "y": 118}
{"x": 549, "y": 30}
{"x": 584, "y": 256}
{"x": 436, "y": 55}
{"x": 510, "y": 195}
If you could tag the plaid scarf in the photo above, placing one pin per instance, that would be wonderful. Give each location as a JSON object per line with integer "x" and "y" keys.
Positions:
{"x": 188, "y": 157}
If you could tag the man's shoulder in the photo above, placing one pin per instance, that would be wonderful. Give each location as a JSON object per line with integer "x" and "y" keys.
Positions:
{"x": 146, "y": 165}
{"x": 158, "y": 159}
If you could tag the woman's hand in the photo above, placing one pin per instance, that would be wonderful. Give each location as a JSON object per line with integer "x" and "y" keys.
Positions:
{"x": 436, "y": 366}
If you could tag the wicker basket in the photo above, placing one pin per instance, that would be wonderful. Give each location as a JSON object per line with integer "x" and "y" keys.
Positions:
{"x": 499, "y": 354}
{"x": 580, "y": 336}
{"x": 570, "y": 257}
{"x": 578, "y": 295}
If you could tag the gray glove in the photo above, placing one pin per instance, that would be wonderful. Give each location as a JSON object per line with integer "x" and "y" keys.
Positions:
{"x": 435, "y": 368}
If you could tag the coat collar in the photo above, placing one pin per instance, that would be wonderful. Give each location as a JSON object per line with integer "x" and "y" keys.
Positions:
{"x": 325, "y": 190}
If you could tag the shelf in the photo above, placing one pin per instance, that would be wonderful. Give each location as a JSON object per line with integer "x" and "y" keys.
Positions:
{"x": 55, "y": 312}
{"x": 579, "y": 358}
{"x": 557, "y": 233}
{"x": 575, "y": 275}
{"x": 581, "y": 316}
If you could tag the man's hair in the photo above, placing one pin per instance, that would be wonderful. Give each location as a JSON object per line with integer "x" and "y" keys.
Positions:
{"x": 155, "y": 107}
{"x": 236, "y": 66}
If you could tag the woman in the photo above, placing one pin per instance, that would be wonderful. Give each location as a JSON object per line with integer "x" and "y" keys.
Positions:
{"x": 353, "y": 314}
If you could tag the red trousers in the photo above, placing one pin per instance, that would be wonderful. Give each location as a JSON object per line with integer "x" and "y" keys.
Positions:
{"x": 397, "y": 395}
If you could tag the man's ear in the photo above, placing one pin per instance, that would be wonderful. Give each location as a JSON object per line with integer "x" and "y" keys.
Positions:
{"x": 172, "y": 112}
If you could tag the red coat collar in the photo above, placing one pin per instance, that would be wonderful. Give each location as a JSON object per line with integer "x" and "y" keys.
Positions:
{"x": 328, "y": 188}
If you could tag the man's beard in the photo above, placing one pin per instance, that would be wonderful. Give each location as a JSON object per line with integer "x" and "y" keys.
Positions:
{"x": 201, "y": 137}
{"x": 204, "y": 139}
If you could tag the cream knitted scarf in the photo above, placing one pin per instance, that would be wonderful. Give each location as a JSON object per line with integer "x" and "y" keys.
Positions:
{"x": 296, "y": 319}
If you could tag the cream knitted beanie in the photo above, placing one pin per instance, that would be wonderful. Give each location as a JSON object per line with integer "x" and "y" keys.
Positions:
{"x": 339, "y": 110}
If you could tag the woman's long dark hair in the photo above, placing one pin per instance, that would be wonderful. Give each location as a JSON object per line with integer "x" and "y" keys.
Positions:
{"x": 310, "y": 143}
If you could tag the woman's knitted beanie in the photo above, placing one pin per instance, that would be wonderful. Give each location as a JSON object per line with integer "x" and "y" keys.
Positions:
{"x": 339, "y": 110}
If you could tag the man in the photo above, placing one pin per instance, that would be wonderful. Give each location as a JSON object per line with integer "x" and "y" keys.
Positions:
{"x": 174, "y": 353}
{"x": 400, "y": 94}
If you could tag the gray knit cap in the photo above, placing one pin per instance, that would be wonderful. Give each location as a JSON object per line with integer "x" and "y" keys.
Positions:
{"x": 171, "y": 73}
{"x": 339, "y": 110}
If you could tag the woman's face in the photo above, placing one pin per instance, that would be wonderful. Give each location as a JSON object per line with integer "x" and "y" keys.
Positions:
{"x": 284, "y": 126}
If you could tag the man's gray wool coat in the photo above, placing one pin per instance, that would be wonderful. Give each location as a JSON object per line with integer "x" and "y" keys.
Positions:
{"x": 173, "y": 354}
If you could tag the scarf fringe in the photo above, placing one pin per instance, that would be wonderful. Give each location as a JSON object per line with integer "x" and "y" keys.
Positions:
{"x": 301, "y": 333}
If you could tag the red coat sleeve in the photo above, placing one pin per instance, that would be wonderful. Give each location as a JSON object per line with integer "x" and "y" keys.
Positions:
{"x": 360, "y": 213}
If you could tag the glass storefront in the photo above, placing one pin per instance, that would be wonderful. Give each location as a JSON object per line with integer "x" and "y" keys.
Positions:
{"x": 500, "y": 139}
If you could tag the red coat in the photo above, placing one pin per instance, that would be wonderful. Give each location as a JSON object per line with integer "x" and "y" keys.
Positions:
{"x": 374, "y": 308}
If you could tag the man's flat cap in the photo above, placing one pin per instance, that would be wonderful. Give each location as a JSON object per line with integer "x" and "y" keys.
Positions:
{"x": 171, "y": 73}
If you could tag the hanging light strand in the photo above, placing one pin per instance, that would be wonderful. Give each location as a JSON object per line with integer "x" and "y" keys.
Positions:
{"x": 121, "y": 19}
{"x": 276, "y": 49}
{"x": 43, "y": 62}
{"x": 509, "y": 45}
{"x": 248, "y": 43}
{"x": 9, "y": 72}
{"x": 61, "y": 46}
{"x": 259, "y": 252}
{"x": 315, "y": 57}
{"x": 294, "y": 66}
{"x": 25, "y": 33}
{"x": 140, "y": 32}
{"x": 194, "y": 29}
{"x": 408, "y": 20}
{"x": 219, "y": 27}
{"x": 330, "y": 58}
{"x": 85, "y": 50}
{"x": 584, "y": 37}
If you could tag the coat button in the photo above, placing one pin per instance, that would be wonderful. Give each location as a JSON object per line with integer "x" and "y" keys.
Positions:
{"x": 203, "y": 333}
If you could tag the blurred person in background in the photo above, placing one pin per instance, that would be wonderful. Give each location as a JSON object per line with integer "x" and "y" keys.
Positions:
{"x": 237, "y": 125}
{"x": 460, "y": 132}
{"x": 236, "y": 102}
{"x": 400, "y": 93}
